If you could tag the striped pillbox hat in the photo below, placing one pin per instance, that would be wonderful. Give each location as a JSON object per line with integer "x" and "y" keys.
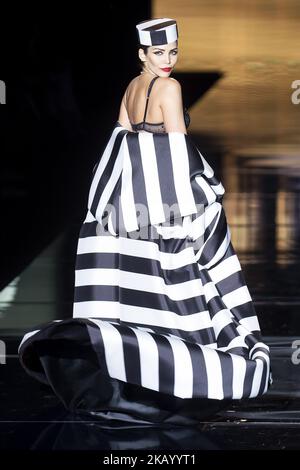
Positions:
{"x": 157, "y": 31}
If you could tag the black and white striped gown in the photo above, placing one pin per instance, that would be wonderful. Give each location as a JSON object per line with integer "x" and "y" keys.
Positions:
{"x": 160, "y": 299}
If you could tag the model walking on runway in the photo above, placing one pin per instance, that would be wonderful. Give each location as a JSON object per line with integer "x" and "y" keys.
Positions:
{"x": 164, "y": 329}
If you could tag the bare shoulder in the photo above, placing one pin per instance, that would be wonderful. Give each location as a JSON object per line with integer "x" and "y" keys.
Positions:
{"x": 130, "y": 85}
{"x": 169, "y": 85}
{"x": 133, "y": 80}
{"x": 169, "y": 89}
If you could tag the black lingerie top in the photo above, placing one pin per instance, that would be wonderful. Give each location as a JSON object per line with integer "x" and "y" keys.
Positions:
{"x": 153, "y": 127}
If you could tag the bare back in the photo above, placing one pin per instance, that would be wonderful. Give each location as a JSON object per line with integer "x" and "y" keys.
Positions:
{"x": 153, "y": 104}
{"x": 136, "y": 100}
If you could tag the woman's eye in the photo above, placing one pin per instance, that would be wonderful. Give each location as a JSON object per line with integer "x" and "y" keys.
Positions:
{"x": 160, "y": 52}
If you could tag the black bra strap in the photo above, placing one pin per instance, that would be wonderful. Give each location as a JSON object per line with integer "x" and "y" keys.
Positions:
{"x": 148, "y": 94}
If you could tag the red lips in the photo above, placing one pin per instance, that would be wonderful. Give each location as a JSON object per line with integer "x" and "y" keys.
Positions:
{"x": 168, "y": 69}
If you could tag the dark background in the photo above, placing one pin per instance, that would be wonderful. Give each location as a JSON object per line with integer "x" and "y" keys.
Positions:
{"x": 65, "y": 72}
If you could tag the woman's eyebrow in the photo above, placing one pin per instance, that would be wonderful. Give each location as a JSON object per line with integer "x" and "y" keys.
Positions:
{"x": 164, "y": 49}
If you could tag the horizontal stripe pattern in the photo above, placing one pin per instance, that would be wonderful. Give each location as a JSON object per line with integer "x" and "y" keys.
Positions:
{"x": 169, "y": 309}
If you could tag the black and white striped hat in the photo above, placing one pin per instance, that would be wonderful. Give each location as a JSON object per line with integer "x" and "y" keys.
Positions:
{"x": 157, "y": 31}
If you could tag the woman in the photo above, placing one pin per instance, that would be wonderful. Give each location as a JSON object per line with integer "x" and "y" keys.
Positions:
{"x": 165, "y": 106}
{"x": 164, "y": 328}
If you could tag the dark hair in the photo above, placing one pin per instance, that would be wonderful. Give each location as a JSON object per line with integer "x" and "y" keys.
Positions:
{"x": 145, "y": 49}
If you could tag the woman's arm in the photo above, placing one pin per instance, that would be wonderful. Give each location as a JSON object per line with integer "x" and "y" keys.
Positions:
{"x": 172, "y": 107}
{"x": 123, "y": 118}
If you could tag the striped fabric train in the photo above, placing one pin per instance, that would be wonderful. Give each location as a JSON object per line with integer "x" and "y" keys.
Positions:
{"x": 160, "y": 302}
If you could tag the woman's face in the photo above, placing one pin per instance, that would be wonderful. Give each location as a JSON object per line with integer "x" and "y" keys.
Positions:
{"x": 160, "y": 60}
